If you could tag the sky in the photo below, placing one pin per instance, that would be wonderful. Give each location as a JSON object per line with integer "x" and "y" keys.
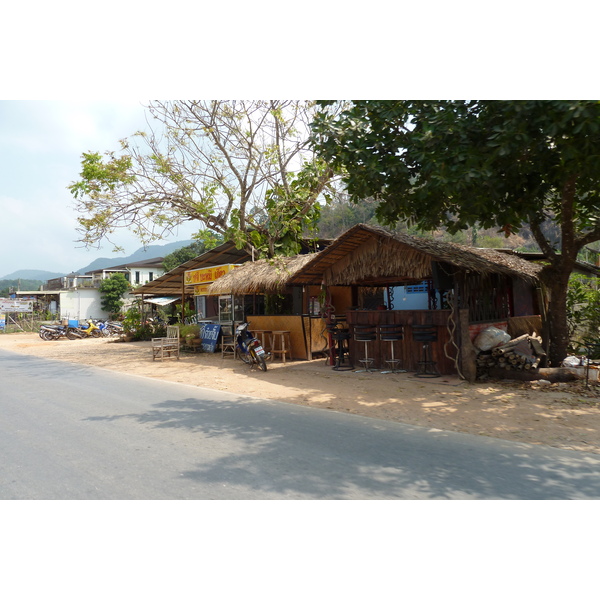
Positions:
{"x": 41, "y": 142}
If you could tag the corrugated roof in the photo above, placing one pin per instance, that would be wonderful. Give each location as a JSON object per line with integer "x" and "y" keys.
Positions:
{"x": 171, "y": 282}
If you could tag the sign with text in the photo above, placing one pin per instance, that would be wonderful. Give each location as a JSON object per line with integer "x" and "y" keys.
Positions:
{"x": 210, "y": 335}
{"x": 207, "y": 275}
{"x": 202, "y": 290}
{"x": 2, "y": 321}
{"x": 10, "y": 305}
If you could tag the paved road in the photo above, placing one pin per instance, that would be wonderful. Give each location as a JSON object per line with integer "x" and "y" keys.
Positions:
{"x": 69, "y": 431}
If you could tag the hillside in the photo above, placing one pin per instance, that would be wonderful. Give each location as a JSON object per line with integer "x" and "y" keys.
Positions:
{"x": 32, "y": 274}
{"x": 146, "y": 253}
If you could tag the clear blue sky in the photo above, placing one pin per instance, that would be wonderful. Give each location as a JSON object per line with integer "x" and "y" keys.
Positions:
{"x": 40, "y": 150}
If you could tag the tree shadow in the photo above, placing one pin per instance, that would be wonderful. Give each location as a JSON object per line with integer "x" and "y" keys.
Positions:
{"x": 296, "y": 452}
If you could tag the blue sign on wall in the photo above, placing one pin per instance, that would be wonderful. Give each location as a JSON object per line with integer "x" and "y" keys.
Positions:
{"x": 210, "y": 335}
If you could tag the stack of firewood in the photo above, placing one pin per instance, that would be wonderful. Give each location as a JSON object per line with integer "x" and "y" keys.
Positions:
{"x": 524, "y": 353}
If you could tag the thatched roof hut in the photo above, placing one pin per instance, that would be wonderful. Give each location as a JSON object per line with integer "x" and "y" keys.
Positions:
{"x": 369, "y": 255}
{"x": 265, "y": 276}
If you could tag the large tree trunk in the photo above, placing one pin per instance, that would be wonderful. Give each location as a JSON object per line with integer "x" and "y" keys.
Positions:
{"x": 557, "y": 282}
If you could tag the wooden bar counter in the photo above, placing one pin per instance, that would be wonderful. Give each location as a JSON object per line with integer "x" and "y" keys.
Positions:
{"x": 408, "y": 350}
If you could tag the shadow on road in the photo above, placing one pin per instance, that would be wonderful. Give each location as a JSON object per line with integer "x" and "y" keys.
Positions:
{"x": 303, "y": 453}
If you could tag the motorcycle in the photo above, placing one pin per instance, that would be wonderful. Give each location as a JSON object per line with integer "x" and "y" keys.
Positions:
{"x": 52, "y": 332}
{"x": 250, "y": 350}
{"x": 92, "y": 330}
{"x": 113, "y": 328}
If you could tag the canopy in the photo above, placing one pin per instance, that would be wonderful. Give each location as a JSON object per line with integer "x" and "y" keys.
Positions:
{"x": 162, "y": 301}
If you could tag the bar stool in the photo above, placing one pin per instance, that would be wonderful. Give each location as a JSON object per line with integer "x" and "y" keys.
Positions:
{"x": 264, "y": 335}
{"x": 365, "y": 334}
{"x": 341, "y": 338}
{"x": 281, "y": 344}
{"x": 426, "y": 334}
{"x": 392, "y": 334}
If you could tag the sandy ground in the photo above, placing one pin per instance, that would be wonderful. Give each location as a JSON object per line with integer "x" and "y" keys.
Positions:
{"x": 564, "y": 415}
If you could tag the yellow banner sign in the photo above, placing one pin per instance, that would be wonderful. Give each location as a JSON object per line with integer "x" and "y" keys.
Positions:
{"x": 202, "y": 290}
{"x": 208, "y": 275}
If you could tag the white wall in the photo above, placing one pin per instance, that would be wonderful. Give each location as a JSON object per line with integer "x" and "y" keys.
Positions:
{"x": 81, "y": 304}
{"x": 402, "y": 301}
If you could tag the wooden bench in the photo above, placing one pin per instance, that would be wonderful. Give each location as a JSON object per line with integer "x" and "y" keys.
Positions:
{"x": 167, "y": 347}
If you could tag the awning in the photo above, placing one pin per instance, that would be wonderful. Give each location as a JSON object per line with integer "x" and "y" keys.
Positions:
{"x": 162, "y": 301}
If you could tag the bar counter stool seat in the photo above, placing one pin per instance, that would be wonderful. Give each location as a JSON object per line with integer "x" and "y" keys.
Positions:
{"x": 426, "y": 334}
{"x": 281, "y": 345}
{"x": 264, "y": 335}
{"x": 365, "y": 334}
{"x": 341, "y": 338}
{"x": 392, "y": 334}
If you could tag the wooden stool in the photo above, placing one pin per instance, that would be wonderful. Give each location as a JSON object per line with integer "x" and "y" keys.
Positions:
{"x": 264, "y": 335}
{"x": 281, "y": 344}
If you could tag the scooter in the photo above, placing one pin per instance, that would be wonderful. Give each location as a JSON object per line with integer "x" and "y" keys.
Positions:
{"x": 250, "y": 350}
{"x": 92, "y": 330}
{"x": 52, "y": 332}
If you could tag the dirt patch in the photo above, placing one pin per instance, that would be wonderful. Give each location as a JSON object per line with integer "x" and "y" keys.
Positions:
{"x": 564, "y": 415}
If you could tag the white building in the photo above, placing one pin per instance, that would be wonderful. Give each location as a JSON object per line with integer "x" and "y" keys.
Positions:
{"x": 77, "y": 296}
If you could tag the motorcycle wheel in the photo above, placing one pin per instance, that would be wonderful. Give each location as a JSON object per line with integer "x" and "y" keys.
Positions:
{"x": 46, "y": 335}
{"x": 72, "y": 336}
{"x": 97, "y": 333}
{"x": 259, "y": 360}
{"x": 245, "y": 357}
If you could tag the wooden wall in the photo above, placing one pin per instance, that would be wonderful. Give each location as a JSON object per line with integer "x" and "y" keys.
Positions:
{"x": 408, "y": 350}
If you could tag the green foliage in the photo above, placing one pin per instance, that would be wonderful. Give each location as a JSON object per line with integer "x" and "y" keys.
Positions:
{"x": 209, "y": 240}
{"x": 583, "y": 310}
{"x": 185, "y": 330}
{"x": 111, "y": 293}
{"x": 461, "y": 164}
{"x": 22, "y": 284}
{"x": 291, "y": 213}
{"x": 341, "y": 214}
{"x": 211, "y": 162}
{"x": 485, "y": 164}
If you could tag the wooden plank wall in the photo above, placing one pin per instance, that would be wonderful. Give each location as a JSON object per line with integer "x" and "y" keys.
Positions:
{"x": 408, "y": 350}
{"x": 291, "y": 323}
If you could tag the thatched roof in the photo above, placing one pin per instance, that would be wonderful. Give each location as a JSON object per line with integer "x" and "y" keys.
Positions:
{"x": 265, "y": 276}
{"x": 370, "y": 255}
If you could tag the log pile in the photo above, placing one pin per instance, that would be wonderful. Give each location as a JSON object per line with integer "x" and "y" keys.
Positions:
{"x": 523, "y": 353}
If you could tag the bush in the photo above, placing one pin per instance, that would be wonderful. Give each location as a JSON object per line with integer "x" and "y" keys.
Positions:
{"x": 583, "y": 311}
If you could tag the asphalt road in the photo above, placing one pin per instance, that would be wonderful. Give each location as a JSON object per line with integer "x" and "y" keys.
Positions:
{"x": 69, "y": 431}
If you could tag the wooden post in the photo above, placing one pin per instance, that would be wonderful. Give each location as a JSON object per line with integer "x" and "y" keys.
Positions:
{"x": 468, "y": 353}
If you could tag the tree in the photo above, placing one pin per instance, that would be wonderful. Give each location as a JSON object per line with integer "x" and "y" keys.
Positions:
{"x": 243, "y": 170}
{"x": 186, "y": 253}
{"x": 111, "y": 293}
{"x": 478, "y": 163}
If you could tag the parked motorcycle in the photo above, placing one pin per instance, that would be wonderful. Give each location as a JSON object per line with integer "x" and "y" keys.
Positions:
{"x": 52, "y": 332}
{"x": 92, "y": 330}
{"x": 250, "y": 350}
{"x": 113, "y": 328}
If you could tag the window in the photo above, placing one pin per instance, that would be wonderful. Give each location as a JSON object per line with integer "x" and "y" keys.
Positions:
{"x": 137, "y": 276}
{"x": 417, "y": 289}
{"x": 150, "y": 276}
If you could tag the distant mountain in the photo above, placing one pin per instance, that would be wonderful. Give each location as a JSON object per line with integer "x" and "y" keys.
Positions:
{"x": 101, "y": 263}
{"x": 32, "y": 274}
{"x": 140, "y": 254}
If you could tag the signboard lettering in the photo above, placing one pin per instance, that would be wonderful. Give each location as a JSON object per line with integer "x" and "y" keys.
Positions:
{"x": 210, "y": 335}
{"x": 13, "y": 305}
{"x": 207, "y": 275}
